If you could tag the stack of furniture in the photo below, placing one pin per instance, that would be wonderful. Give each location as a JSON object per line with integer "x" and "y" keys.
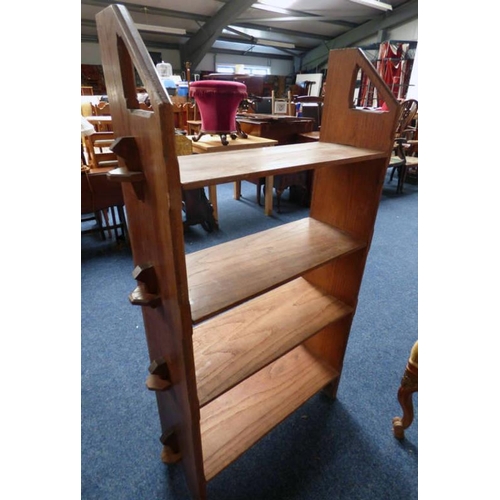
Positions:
{"x": 240, "y": 335}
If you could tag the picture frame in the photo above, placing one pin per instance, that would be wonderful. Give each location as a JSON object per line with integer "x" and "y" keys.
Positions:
{"x": 280, "y": 107}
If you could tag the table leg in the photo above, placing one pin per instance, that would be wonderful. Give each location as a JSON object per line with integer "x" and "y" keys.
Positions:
{"x": 268, "y": 202}
{"x": 237, "y": 190}
{"x": 212, "y": 196}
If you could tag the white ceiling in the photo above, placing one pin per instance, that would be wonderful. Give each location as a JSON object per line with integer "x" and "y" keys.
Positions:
{"x": 238, "y": 26}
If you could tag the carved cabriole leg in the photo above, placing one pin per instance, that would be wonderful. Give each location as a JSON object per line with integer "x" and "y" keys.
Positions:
{"x": 240, "y": 132}
{"x": 198, "y": 136}
{"x": 409, "y": 385}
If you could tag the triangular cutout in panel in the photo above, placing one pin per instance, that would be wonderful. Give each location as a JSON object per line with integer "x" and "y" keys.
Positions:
{"x": 366, "y": 94}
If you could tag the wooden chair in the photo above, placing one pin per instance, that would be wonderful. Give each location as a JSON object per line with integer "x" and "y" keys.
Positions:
{"x": 409, "y": 110}
{"x": 412, "y": 160}
{"x": 179, "y": 116}
{"x": 102, "y": 202}
{"x": 316, "y": 111}
{"x": 401, "y": 160}
{"x": 191, "y": 118}
{"x": 285, "y": 104}
{"x": 101, "y": 198}
{"x": 409, "y": 385}
{"x": 102, "y": 109}
{"x": 98, "y": 153}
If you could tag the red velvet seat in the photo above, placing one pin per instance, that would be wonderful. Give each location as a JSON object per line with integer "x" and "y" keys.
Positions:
{"x": 218, "y": 102}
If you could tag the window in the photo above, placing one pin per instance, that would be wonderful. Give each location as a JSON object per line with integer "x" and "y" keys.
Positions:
{"x": 247, "y": 69}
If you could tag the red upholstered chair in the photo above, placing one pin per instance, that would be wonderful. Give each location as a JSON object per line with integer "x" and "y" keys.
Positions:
{"x": 218, "y": 102}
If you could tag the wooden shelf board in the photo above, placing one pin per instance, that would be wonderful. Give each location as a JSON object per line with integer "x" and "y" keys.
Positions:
{"x": 198, "y": 171}
{"x": 238, "y": 419}
{"x": 234, "y": 345}
{"x": 226, "y": 275}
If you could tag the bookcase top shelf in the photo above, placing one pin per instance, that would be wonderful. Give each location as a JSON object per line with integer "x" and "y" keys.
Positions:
{"x": 217, "y": 168}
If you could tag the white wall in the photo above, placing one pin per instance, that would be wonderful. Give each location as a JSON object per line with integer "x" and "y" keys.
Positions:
{"x": 413, "y": 88}
{"x": 407, "y": 32}
{"x": 278, "y": 66}
{"x": 90, "y": 54}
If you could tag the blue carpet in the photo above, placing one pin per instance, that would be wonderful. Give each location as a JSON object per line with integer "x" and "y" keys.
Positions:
{"x": 327, "y": 450}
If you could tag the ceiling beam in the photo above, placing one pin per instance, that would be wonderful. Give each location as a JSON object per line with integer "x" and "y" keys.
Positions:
{"x": 200, "y": 19}
{"x": 153, "y": 11}
{"x": 171, "y": 46}
{"x": 282, "y": 31}
{"x": 199, "y": 45}
{"x": 318, "y": 56}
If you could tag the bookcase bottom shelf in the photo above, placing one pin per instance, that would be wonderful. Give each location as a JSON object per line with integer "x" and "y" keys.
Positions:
{"x": 239, "y": 418}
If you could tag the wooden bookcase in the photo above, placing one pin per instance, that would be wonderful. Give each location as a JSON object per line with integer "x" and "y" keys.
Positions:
{"x": 241, "y": 334}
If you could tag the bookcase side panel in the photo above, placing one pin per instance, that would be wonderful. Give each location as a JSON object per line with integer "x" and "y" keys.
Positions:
{"x": 145, "y": 146}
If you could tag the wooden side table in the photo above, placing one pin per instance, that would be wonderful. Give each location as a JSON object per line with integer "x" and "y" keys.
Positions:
{"x": 212, "y": 144}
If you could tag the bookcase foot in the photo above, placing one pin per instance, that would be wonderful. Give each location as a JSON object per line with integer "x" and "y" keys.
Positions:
{"x": 330, "y": 390}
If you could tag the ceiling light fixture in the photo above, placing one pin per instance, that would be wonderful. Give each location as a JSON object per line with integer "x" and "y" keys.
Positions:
{"x": 273, "y": 43}
{"x": 374, "y": 3}
{"x": 269, "y": 8}
{"x": 160, "y": 29}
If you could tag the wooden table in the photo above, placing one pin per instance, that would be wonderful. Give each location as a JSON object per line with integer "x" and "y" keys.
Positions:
{"x": 282, "y": 128}
{"x": 199, "y": 171}
{"x": 99, "y": 194}
{"x": 212, "y": 144}
{"x": 106, "y": 119}
{"x": 101, "y": 122}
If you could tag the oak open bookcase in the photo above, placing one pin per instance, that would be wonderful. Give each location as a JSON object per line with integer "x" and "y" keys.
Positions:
{"x": 241, "y": 334}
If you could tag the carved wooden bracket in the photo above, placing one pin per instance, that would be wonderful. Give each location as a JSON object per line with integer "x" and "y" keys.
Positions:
{"x": 146, "y": 293}
{"x": 171, "y": 452}
{"x": 159, "y": 380}
{"x": 126, "y": 148}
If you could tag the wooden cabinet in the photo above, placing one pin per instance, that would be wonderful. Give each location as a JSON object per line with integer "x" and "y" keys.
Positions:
{"x": 285, "y": 129}
{"x": 243, "y": 333}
